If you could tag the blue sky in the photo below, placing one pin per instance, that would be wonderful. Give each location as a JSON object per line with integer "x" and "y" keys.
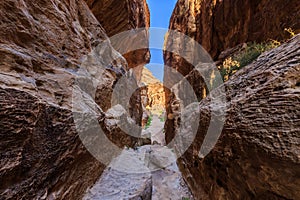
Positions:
{"x": 160, "y": 14}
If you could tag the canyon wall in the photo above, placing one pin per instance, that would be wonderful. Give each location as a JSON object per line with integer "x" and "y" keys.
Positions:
{"x": 155, "y": 92}
{"x": 257, "y": 154}
{"x": 219, "y": 25}
{"x": 152, "y": 94}
{"x": 118, "y": 17}
{"x": 127, "y": 23}
{"x": 52, "y": 53}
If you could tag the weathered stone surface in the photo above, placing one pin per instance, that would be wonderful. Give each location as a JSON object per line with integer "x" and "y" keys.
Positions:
{"x": 126, "y": 23}
{"x": 149, "y": 172}
{"x": 41, "y": 154}
{"x": 47, "y": 48}
{"x": 119, "y": 16}
{"x": 257, "y": 154}
{"x": 155, "y": 92}
{"x": 126, "y": 177}
{"x": 115, "y": 185}
{"x": 218, "y": 25}
{"x": 197, "y": 83}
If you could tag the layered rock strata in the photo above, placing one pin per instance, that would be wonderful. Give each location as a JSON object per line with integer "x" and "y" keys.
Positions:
{"x": 219, "y": 25}
{"x": 155, "y": 92}
{"x": 57, "y": 67}
{"x": 257, "y": 153}
{"x": 256, "y": 156}
{"x": 120, "y": 19}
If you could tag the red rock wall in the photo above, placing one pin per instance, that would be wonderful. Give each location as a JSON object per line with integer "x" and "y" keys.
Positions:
{"x": 119, "y": 16}
{"x": 257, "y": 154}
{"x": 42, "y": 47}
{"x": 250, "y": 161}
{"x": 218, "y": 25}
{"x": 127, "y": 23}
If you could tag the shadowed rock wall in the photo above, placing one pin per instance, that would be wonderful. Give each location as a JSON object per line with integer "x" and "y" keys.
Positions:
{"x": 46, "y": 49}
{"x": 257, "y": 154}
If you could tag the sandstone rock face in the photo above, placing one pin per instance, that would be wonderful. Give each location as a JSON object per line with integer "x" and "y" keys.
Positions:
{"x": 119, "y": 16}
{"x": 48, "y": 50}
{"x": 147, "y": 77}
{"x": 121, "y": 185}
{"x": 257, "y": 154}
{"x": 218, "y": 25}
{"x": 173, "y": 107}
{"x": 155, "y": 91}
{"x": 126, "y": 177}
{"x": 127, "y": 23}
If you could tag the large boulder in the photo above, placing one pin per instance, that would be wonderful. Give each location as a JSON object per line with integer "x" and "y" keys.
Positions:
{"x": 51, "y": 53}
{"x": 257, "y": 153}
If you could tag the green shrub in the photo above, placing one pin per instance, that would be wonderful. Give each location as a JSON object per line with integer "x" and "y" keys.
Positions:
{"x": 246, "y": 57}
{"x": 253, "y": 50}
{"x": 162, "y": 118}
{"x": 149, "y": 121}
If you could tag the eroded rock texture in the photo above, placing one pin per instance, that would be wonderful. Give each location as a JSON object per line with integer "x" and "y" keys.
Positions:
{"x": 155, "y": 92}
{"x": 126, "y": 23}
{"x": 120, "y": 16}
{"x": 117, "y": 16}
{"x": 218, "y": 25}
{"x": 177, "y": 95}
{"x": 48, "y": 50}
{"x": 257, "y": 154}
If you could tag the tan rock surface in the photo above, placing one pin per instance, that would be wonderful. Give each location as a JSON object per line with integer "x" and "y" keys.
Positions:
{"x": 119, "y": 16}
{"x": 141, "y": 177}
{"x": 45, "y": 48}
{"x": 257, "y": 154}
{"x": 218, "y": 25}
{"x": 155, "y": 91}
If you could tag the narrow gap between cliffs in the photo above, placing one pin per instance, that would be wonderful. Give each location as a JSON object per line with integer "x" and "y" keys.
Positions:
{"x": 148, "y": 171}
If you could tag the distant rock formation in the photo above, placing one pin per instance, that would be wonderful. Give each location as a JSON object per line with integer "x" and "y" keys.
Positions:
{"x": 155, "y": 92}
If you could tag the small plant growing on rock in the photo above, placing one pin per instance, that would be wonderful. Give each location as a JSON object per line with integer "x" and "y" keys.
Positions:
{"x": 253, "y": 50}
{"x": 290, "y": 31}
{"x": 228, "y": 68}
{"x": 149, "y": 121}
{"x": 162, "y": 118}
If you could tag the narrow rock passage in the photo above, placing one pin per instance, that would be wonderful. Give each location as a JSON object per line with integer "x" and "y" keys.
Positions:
{"x": 149, "y": 172}
{"x": 156, "y": 130}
